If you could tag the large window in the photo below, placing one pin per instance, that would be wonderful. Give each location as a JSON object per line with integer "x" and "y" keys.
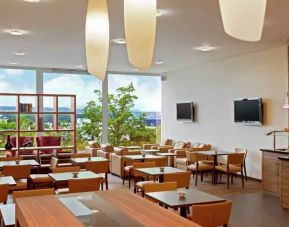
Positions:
{"x": 14, "y": 81}
{"x": 87, "y": 89}
{"x": 134, "y": 109}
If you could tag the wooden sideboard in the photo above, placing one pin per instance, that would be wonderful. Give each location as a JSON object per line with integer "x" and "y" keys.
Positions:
{"x": 284, "y": 183}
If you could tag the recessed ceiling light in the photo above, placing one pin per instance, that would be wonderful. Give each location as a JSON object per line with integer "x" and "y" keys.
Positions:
{"x": 19, "y": 53}
{"x": 119, "y": 41}
{"x": 79, "y": 66}
{"x": 159, "y": 12}
{"x": 31, "y": 1}
{"x": 205, "y": 48}
{"x": 159, "y": 62}
{"x": 16, "y": 32}
{"x": 12, "y": 63}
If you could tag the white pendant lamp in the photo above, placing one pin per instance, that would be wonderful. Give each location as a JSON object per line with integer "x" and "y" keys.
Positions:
{"x": 97, "y": 38}
{"x": 140, "y": 30}
{"x": 243, "y": 19}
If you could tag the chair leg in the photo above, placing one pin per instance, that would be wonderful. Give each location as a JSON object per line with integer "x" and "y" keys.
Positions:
{"x": 106, "y": 181}
{"x": 202, "y": 178}
{"x": 245, "y": 170}
{"x": 228, "y": 179}
{"x": 242, "y": 175}
{"x": 123, "y": 179}
{"x": 129, "y": 178}
{"x": 220, "y": 176}
{"x": 196, "y": 180}
{"x": 232, "y": 178}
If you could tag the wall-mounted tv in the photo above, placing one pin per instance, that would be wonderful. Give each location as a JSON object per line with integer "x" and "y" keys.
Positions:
{"x": 185, "y": 111}
{"x": 249, "y": 111}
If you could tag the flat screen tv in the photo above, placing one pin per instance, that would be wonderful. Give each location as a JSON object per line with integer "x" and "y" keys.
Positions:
{"x": 249, "y": 111}
{"x": 185, "y": 111}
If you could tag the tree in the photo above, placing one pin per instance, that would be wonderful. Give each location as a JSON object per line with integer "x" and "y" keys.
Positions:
{"x": 124, "y": 126}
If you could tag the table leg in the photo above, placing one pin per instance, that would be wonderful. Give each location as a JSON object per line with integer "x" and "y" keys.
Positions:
{"x": 161, "y": 178}
{"x": 183, "y": 211}
{"x": 214, "y": 170}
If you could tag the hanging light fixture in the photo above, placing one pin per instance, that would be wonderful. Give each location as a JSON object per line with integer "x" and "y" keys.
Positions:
{"x": 97, "y": 38}
{"x": 140, "y": 30}
{"x": 243, "y": 19}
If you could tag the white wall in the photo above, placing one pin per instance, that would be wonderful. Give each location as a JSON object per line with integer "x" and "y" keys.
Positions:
{"x": 213, "y": 87}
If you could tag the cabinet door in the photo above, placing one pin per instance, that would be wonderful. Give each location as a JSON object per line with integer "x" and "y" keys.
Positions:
{"x": 270, "y": 175}
{"x": 285, "y": 185}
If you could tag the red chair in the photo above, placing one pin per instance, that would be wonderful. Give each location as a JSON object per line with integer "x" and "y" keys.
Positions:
{"x": 48, "y": 141}
{"x": 23, "y": 140}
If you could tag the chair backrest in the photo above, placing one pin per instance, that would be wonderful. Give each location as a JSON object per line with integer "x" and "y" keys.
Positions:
{"x": 236, "y": 158}
{"x": 17, "y": 171}
{"x": 211, "y": 215}
{"x": 84, "y": 185}
{"x": 137, "y": 165}
{"x": 168, "y": 142}
{"x": 160, "y": 187}
{"x": 97, "y": 167}
{"x": 183, "y": 179}
{"x": 194, "y": 157}
{"x": 4, "y": 188}
{"x": 53, "y": 163}
{"x": 80, "y": 155}
{"x": 10, "y": 159}
{"x": 241, "y": 150}
{"x": 66, "y": 169}
{"x": 46, "y": 141}
{"x": 30, "y": 193}
{"x": 160, "y": 162}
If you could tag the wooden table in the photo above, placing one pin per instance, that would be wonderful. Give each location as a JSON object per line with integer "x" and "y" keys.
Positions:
{"x": 156, "y": 171}
{"x": 81, "y": 161}
{"x": 59, "y": 178}
{"x": 7, "y": 180}
{"x": 104, "y": 208}
{"x": 141, "y": 157}
{"x": 7, "y": 214}
{"x": 193, "y": 197}
{"x": 215, "y": 155}
{"x": 31, "y": 162}
{"x": 150, "y": 151}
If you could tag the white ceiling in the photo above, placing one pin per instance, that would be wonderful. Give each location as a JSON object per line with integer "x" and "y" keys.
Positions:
{"x": 56, "y": 33}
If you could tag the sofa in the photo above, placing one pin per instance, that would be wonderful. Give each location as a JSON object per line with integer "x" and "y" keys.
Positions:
{"x": 92, "y": 148}
{"x": 181, "y": 160}
{"x": 178, "y": 145}
{"x": 23, "y": 142}
{"x": 167, "y": 143}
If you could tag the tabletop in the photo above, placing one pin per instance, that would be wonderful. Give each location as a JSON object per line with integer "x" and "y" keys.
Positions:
{"x": 7, "y": 180}
{"x": 167, "y": 154}
{"x": 84, "y": 160}
{"x": 156, "y": 171}
{"x": 192, "y": 197}
{"x": 215, "y": 153}
{"x": 63, "y": 177}
{"x": 31, "y": 162}
{"x": 8, "y": 214}
{"x": 140, "y": 157}
{"x": 118, "y": 207}
{"x": 150, "y": 151}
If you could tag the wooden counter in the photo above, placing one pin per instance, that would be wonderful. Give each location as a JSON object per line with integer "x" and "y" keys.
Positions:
{"x": 284, "y": 181}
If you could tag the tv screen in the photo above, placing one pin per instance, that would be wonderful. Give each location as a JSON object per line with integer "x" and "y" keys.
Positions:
{"x": 248, "y": 110}
{"x": 185, "y": 111}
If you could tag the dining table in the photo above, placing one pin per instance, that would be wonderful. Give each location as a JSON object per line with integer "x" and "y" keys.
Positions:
{"x": 82, "y": 161}
{"x": 7, "y": 180}
{"x": 31, "y": 162}
{"x": 118, "y": 207}
{"x": 214, "y": 155}
{"x": 192, "y": 197}
{"x": 159, "y": 171}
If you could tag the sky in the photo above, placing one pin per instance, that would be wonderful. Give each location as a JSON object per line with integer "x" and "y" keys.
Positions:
{"x": 148, "y": 88}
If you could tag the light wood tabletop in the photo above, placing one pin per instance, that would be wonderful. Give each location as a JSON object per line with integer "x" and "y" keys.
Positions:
{"x": 31, "y": 162}
{"x": 7, "y": 214}
{"x": 118, "y": 206}
{"x": 84, "y": 160}
{"x": 64, "y": 177}
{"x": 7, "y": 180}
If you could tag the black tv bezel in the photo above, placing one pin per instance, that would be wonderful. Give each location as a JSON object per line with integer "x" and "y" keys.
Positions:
{"x": 260, "y": 111}
{"x": 192, "y": 112}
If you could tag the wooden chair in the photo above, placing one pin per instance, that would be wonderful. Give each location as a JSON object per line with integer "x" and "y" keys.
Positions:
{"x": 99, "y": 168}
{"x": 20, "y": 173}
{"x": 84, "y": 185}
{"x": 183, "y": 179}
{"x": 234, "y": 165}
{"x": 4, "y": 189}
{"x": 199, "y": 164}
{"x": 66, "y": 169}
{"x": 212, "y": 215}
{"x": 80, "y": 155}
{"x": 138, "y": 185}
{"x": 43, "y": 178}
{"x": 30, "y": 193}
{"x": 245, "y": 151}
{"x": 159, "y": 187}
{"x": 160, "y": 162}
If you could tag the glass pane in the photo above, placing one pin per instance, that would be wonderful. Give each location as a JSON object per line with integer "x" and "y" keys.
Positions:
{"x": 47, "y": 122}
{"x": 28, "y": 104}
{"x": 49, "y": 104}
{"x": 134, "y": 109}
{"x": 28, "y": 122}
{"x": 65, "y": 104}
{"x": 8, "y": 104}
{"x": 65, "y": 121}
{"x": 8, "y": 122}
